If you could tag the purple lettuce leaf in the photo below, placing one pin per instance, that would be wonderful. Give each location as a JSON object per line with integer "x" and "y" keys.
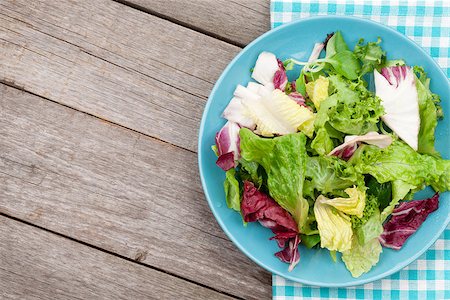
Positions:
{"x": 405, "y": 220}
{"x": 290, "y": 253}
{"x": 280, "y": 79}
{"x": 227, "y": 142}
{"x": 346, "y": 152}
{"x": 257, "y": 206}
{"x": 395, "y": 74}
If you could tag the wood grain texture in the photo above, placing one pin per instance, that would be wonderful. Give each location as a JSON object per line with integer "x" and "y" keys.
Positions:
{"x": 112, "y": 61}
{"x": 239, "y": 22}
{"x": 116, "y": 189}
{"x": 36, "y": 264}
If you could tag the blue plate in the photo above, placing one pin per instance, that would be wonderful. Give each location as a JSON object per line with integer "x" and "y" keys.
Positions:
{"x": 296, "y": 40}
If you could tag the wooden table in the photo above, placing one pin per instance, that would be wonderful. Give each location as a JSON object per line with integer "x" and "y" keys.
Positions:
{"x": 100, "y": 196}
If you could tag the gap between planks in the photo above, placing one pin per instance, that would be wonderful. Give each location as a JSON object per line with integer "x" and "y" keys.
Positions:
{"x": 22, "y": 89}
{"x": 178, "y": 22}
{"x": 116, "y": 255}
{"x": 51, "y": 232}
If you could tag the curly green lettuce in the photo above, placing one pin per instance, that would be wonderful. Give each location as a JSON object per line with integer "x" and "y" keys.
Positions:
{"x": 350, "y": 109}
{"x": 370, "y": 54}
{"x": 330, "y": 176}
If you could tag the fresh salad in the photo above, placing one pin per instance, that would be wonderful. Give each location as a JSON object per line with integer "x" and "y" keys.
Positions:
{"x": 333, "y": 159}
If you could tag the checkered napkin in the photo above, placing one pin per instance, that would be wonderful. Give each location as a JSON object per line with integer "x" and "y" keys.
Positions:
{"x": 428, "y": 24}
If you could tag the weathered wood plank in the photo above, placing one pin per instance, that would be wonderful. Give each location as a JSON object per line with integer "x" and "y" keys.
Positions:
{"x": 112, "y": 61}
{"x": 36, "y": 264}
{"x": 239, "y": 22}
{"x": 116, "y": 189}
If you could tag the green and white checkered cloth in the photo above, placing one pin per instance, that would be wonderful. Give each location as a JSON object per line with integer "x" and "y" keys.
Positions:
{"x": 428, "y": 24}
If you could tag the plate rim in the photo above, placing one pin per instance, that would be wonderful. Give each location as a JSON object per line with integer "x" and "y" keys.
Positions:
{"x": 356, "y": 282}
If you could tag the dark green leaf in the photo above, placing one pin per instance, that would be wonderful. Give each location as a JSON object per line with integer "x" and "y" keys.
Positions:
{"x": 231, "y": 186}
{"x": 336, "y": 44}
{"x": 249, "y": 170}
{"x": 310, "y": 240}
{"x": 346, "y": 64}
{"x": 381, "y": 191}
{"x": 300, "y": 84}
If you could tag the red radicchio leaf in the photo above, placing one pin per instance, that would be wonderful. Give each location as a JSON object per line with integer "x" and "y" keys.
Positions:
{"x": 257, "y": 206}
{"x": 228, "y": 142}
{"x": 298, "y": 98}
{"x": 346, "y": 152}
{"x": 226, "y": 161}
{"x": 395, "y": 74}
{"x": 290, "y": 253}
{"x": 294, "y": 86}
{"x": 405, "y": 220}
{"x": 280, "y": 79}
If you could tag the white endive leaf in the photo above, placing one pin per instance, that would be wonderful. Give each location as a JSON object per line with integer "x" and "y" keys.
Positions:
{"x": 259, "y": 89}
{"x": 236, "y": 112}
{"x": 265, "y": 68}
{"x": 400, "y": 101}
{"x": 276, "y": 113}
{"x": 245, "y": 93}
{"x": 372, "y": 138}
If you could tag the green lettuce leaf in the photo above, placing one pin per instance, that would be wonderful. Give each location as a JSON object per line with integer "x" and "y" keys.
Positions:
{"x": 322, "y": 143}
{"x": 330, "y": 175}
{"x": 400, "y": 191}
{"x": 351, "y": 109}
{"x": 231, "y": 186}
{"x": 345, "y": 63}
{"x": 369, "y": 209}
{"x": 284, "y": 160}
{"x": 401, "y": 162}
{"x": 361, "y": 258}
{"x": 249, "y": 170}
{"x": 407, "y": 170}
{"x": 336, "y": 44}
{"x": 357, "y": 111}
{"x": 300, "y": 84}
{"x": 370, "y": 229}
{"x": 428, "y": 114}
{"x": 310, "y": 240}
{"x": 371, "y": 55}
